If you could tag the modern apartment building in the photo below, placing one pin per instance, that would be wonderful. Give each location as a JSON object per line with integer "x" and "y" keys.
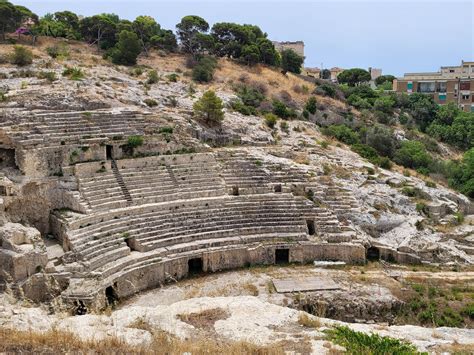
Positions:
{"x": 449, "y": 84}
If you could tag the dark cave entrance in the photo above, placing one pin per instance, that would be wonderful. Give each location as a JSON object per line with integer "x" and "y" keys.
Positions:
{"x": 373, "y": 254}
{"x": 109, "y": 150}
{"x": 195, "y": 266}
{"x": 310, "y": 225}
{"x": 111, "y": 296}
{"x": 282, "y": 256}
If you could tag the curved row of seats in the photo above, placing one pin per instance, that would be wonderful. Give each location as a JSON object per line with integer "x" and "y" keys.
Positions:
{"x": 151, "y": 180}
{"x": 50, "y": 129}
{"x": 182, "y": 227}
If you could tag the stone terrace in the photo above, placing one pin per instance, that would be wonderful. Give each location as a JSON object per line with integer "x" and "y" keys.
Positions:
{"x": 61, "y": 128}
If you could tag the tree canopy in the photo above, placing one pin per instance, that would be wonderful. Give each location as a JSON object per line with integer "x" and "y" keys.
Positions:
{"x": 353, "y": 77}
{"x": 291, "y": 61}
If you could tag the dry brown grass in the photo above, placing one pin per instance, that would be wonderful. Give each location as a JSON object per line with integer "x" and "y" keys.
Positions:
{"x": 308, "y": 321}
{"x": 205, "y": 320}
{"x": 55, "y": 342}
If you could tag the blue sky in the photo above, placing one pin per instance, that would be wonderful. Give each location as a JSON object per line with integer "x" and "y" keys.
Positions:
{"x": 397, "y": 36}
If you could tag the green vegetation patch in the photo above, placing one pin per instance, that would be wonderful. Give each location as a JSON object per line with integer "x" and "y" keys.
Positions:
{"x": 371, "y": 344}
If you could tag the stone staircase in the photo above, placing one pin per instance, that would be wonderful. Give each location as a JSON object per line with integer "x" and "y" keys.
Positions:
{"x": 120, "y": 182}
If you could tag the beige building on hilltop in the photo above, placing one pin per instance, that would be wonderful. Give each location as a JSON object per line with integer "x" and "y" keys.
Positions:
{"x": 449, "y": 84}
{"x": 297, "y": 46}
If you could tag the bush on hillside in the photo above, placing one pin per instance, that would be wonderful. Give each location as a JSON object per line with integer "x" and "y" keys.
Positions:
{"x": 381, "y": 139}
{"x": 209, "y": 107}
{"x": 342, "y": 133}
{"x": 21, "y": 56}
{"x": 249, "y": 95}
{"x": 203, "y": 71}
{"x": 281, "y": 110}
{"x": 413, "y": 154}
{"x": 270, "y": 120}
{"x": 311, "y": 105}
{"x": 58, "y": 51}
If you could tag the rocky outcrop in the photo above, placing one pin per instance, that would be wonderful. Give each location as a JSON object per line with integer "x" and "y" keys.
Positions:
{"x": 22, "y": 252}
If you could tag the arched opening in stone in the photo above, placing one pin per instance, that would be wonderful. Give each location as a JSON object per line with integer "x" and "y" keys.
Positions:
{"x": 109, "y": 149}
{"x": 310, "y": 226}
{"x": 111, "y": 295}
{"x": 235, "y": 190}
{"x": 373, "y": 254}
{"x": 195, "y": 266}
{"x": 282, "y": 256}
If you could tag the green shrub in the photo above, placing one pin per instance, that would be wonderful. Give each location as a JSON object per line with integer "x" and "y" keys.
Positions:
{"x": 74, "y": 73}
{"x": 342, "y": 133}
{"x": 134, "y": 141}
{"x": 166, "y": 130}
{"x": 173, "y": 77}
{"x": 365, "y": 151}
{"x": 430, "y": 184}
{"x": 203, "y": 71}
{"x": 150, "y": 102}
{"x": 209, "y": 107}
{"x": 239, "y": 106}
{"x": 324, "y": 144}
{"x": 281, "y": 110}
{"x": 284, "y": 126}
{"x": 468, "y": 310}
{"x": 152, "y": 77}
{"x": 127, "y": 49}
{"x": 21, "y": 56}
{"x": 270, "y": 120}
{"x": 58, "y": 51}
{"x": 413, "y": 154}
{"x": 311, "y": 105}
{"x": 362, "y": 343}
{"x": 250, "y": 96}
{"x": 136, "y": 71}
{"x": 48, "y": 75}
{"x": 422, "y": 208}
{"x": 326, "y": 90}
{"x": 384, "y": 163}
{"x": 459, "y": 217}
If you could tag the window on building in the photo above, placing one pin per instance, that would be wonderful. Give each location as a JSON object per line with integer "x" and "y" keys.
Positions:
{"x": 442, "y": 97}
{"x": 465, "y": 85}
{"x": 441, "y": 86}
{"x": 427, "y": 86}
{"x": 410, "y": 86}
{"x": 472, "y": 108}
{"x": 465, "y": 97}
{"x": 451, "y": 70}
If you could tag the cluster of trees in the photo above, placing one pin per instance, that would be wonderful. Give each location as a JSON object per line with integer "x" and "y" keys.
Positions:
{"x": 123, "y": 40}
{"x": 453, "y": 126}
{"x": 13, "y": 16}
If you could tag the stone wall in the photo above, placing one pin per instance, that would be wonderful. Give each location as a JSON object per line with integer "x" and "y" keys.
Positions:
{"x": 170, "y": 270}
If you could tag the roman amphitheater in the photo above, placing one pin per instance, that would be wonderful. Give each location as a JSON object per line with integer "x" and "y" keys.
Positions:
{"x": 91, "y": 221}
{"x": 118, "y": 225}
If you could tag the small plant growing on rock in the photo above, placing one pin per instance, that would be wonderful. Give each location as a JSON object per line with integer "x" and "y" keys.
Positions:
{"x": 270, "y": 120}
{"x": 284, "y": 126}
{"x": 48, "y": 75}
{"x": 152, "y": 77}
{"x": 150, "y": 102}
{"x": 74, "y": 73}
{"x": 134, "y": 141}
{"x": 173, "y": 78}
